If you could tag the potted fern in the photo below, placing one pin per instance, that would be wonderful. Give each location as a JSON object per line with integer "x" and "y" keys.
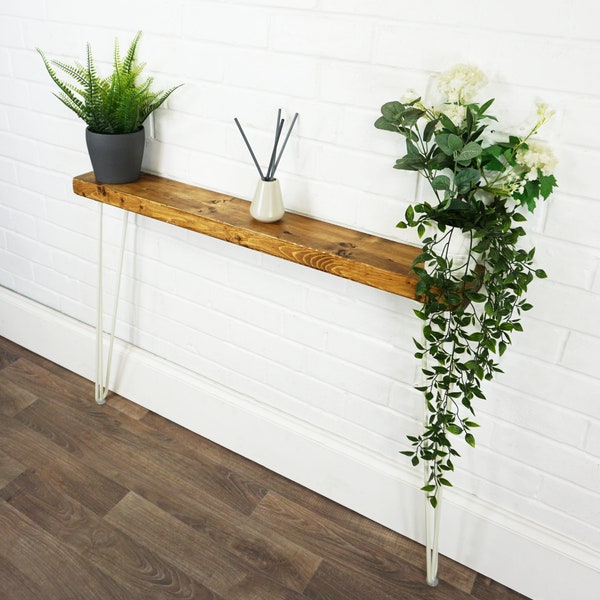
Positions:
{"x": 483, "y": 183}
{"x": 114, "y": 108}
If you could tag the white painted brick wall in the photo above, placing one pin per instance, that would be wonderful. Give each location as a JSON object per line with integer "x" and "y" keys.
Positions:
{"x": 309, "y": 345}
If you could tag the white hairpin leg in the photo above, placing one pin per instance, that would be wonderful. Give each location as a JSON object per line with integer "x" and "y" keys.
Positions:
{"x": 102, "y": 376}
{"x": 432, "y": 515}
{"x": 432, "y": 531}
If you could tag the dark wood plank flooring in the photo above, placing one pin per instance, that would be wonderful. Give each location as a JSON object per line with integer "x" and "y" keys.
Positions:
{"x": 116, "y": 502}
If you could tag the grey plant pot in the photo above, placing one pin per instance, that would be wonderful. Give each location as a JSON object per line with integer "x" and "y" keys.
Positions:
{"x": 116, "y": 158}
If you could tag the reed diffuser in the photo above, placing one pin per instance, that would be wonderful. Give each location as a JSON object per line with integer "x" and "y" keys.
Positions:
{"x": 267, "y": 204}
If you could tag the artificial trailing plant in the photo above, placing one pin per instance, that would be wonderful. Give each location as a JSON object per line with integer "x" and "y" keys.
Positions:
{"x": 483, "y": 184}
{"x": 113, "y": 104}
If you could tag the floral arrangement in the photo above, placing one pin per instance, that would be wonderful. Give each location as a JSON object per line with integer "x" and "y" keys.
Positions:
{"x": 484, "y": 183}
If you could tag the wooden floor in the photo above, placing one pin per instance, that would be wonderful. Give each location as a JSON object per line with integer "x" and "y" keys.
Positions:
{"x": 115, "y": 502}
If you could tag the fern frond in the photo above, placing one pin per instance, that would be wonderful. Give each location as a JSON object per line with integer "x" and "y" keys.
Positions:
{"x": 113, "y": 104}
{"x": 130, "y": 56}
{"x": 157, "y": 101}
{"x": 117, "y": 57}
{"x": 73, "y": 103}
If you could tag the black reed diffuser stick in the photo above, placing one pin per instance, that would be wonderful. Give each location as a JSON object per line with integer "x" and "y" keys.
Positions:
{"x": 249, "y": 148}
{"x": 275, "y": 158}
{"x": 278, "y": 129}
{"x": 287, "y": 137}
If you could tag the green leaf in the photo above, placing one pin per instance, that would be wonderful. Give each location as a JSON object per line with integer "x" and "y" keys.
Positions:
{"x": 541, "y": 274}
{"x": 444, "y": 482}
{"x": 428, "y": 488}
{"x": 410, "y": 163}
{"x": 440, "y": 182}
{"x": 475, "y": 297}
{"x": 519, "y": 217}
{"x": 448, "y": 142}
{"x": 469, "y": 152}
{"x": 429, "y": 130}
{"x": 466, "y": 179}
{"x": 447, "y": 123}
{"x": 411, "y": 115}
{"x": 392, "y": 111}
{"x": 493, "y": 164}
{"x": 411, "y": 149}
{"x": 421, "y": 288}
{"x": 384, "y": 124}
{"x": 475, "y": 337}
{"x": 470, "y": 439}
{"x": 484, "y": 107}
{"x": 547, "y": 184}
{"x": 453, "y": 428}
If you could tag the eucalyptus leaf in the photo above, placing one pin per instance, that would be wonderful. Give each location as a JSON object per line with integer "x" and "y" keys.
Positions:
{"x": 383, "y": 123}
{"x": 449, "y": 143}
{"x": 441, "y": 182}
{"x": 466, "y": 179}
{"x": 392, "y": 111}
{"x": 409, "y": 163}
{"x": 411, "y": 115}
{"x": 469, "y": 152}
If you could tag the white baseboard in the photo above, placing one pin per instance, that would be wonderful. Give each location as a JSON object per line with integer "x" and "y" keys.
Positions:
{"x": 514, "y": 551}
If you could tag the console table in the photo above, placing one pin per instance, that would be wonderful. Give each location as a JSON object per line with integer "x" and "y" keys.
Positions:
{"x": 360, "y": 257}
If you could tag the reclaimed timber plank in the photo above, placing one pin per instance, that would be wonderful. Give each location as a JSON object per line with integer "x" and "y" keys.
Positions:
{"x": 361, "y": 257}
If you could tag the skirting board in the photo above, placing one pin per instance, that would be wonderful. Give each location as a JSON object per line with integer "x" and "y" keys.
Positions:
{"x": 514, "y": 551}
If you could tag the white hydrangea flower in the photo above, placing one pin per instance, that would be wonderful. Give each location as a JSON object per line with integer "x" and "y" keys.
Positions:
{"x": 536, "y": 156}
{"x": 457, "y": 113}
{"x": 460, "y": 83}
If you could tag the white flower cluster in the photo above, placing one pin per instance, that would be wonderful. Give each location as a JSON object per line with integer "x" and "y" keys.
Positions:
{"x": 536, "y": 156}
{"x": 457, "y": 113}
{"x": 544, "y": 113}
{"x": 460, "y": 83}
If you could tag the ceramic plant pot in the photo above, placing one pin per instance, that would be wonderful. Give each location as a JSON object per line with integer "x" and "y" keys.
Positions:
{"x": 116, "y": 158}
{"x": 267, "y": 205}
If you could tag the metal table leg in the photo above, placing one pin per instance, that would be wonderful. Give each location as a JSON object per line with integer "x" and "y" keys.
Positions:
{"x": 102, "y": 376}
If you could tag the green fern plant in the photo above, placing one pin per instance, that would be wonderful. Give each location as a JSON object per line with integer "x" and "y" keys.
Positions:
{"x": 113, "y": 104}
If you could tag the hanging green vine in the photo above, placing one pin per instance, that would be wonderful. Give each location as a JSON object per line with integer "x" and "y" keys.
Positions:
{"x": 471, "y": 304}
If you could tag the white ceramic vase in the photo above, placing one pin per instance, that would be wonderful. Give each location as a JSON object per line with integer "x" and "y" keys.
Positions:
{"x": 267, "y": 204}
{"x": 458, "y": 251}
